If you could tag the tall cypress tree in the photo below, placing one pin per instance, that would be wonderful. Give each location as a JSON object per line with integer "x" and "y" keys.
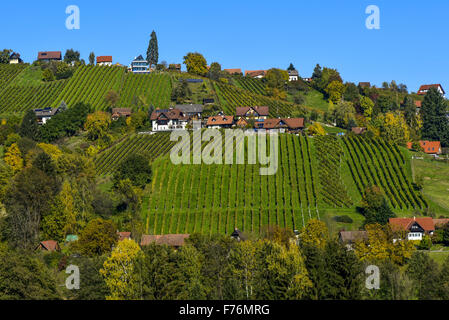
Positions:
{"x": 435, "y": 121}
{"x": 153, "y": 50}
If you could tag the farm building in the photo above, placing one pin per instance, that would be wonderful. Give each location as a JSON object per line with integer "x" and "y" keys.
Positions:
{"x": 193, "y": 111}
{"x": 257, "y": 113}
{"x": 43, "y": 115}
{"x": 258, "y": 74}
{"x": 172, "y": 240}
{"x": 124, "y": 235}
{"x": 104, "y": 61}
{"x": 429, "y": 147}
{"x": 15, "y": 58}
{"x": 426, "y": 87}
{"x": 49, "y": 245}
{"x": 168, "y": 120}
{"x": 140, "y": 65}
{"x": 121, "y": 112}
{"x": 292, "y": 125}
{"x": 220, "y": 121}
{"x": 359, "y": 130}
{"x": 233, "y": 71}
{"x": 47, "y": 56}
{"x": 416, "y": 228}
{"x": 350, "y": 237}
{"x": 365, "y": 84}
{"x": 174, "y": 67}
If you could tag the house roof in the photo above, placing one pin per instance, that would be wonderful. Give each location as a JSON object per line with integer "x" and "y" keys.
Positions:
{"x": 418, "y": 103}
{"x": 255, "y": 73}
{"x": 429, "y": 147}
{"x": 174, "y": 240}
{"x": 232, "y": 71}
{"x": 440, "y": 222}
{"x": 365, "y": 84}
{"x": 49, "y": 245}
{"x": 293, "y": 73}
{"x": 424, "y": 88}
{"x": 220, "y": 120}
{"x": 43, "y": 55}
{"x": 47, "y": 112}
{"x": 190, "y": 108}
{"x": 261, "y": 111}
{"x": 139, "y": 58}
{"x": 122, "y": 111}
{"x": 101, "y": 59}
{"x": 405, "y": 223}
{"x": 124, "y": 235}
{"x": 170, "y": 114}
{"x": 291, "y": 123}
{"x": 352, "y": 236}
{"x": 15, "y": 55}
{"x": 358, "y": 130}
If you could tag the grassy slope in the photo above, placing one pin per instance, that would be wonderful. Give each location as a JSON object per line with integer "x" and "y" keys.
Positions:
{"x": 436, "y": 183}
{"x": 315, "y": 100}
{"x": 31, "y": 76}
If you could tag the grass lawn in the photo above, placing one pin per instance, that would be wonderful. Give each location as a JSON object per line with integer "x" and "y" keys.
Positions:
{"x": 315, "y": 100}
{"x": 439, "y": 257}
{"x": 31, "y": 76}
{"x": 436, "y": 183}
{"x": 332, "y": 130}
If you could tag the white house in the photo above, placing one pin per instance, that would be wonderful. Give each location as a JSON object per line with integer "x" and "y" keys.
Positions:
{"x": 140, "y": 65}
{"x": 426, "y": 87}
{"x": 15, "y": 58}
{"x": 293, "y": 75}
{"x": 104, "y": 61}
{"x": 257, "y": 74}
{"x": 415, "y": 228}
{"x": 169, "y": 120}
{"x": 43, "y": 115}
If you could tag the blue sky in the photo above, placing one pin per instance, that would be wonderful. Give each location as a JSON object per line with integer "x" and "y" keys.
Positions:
{"x": 411, "y": 47}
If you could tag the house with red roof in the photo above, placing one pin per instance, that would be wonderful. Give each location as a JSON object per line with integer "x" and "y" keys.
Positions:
{"x": 429, "y": 147}
{"x": 256, "y": 113}
{"x": 48, "y": 245}
{"x": 258, "y": 74}
{"x": 104, "y": 61}
{"x": 122, "y": 235}
{"x": 292, "y": 125}
{"x": 426, "y": 87}
{"x": 47, "y": 56}
{"x": 168, "y": 119}
{"x": 233, "y": 71}
{"x": 415, "y": 228}
{"x": 220, "y": 121}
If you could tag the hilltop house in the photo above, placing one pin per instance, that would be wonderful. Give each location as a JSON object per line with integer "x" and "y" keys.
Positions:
{"x": 121, "y": 112}
{"x": 256, "y": 113}
{"x": 258, "y": 74}
{"x": 168, "y": 120}
{"x": 233, "y": 71}
{"x": 140, "y": 65}
{"x": 172, "y": 240}
{"x": 174, "y": 67}
{"x": 364, "y": 84}
{"x": 415, "y": 228}
{"x": 104, "y": 61}
{"x": 193, "y": 111}
{"x": 292, "y": 125}
{"x": 15, "y": 58}
{"x": 47, "y": 56}
{"x": 426, "y": 87}
{"x": 220, "y": 121}
{"x": 49, "y": 245}
{"x": 293, "y": 75}
{"x": 43, "y": 115}
{"x": 429, "y": 147}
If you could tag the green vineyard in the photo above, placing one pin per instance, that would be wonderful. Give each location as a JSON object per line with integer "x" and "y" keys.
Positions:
{"x": 90, "y": 84}
{"x": 216, "y": 198}
{"x": 152, "y": 146}
{"x": 231, "y": 97}
{"x": 8, "y": 72}
{"x": 153, "y": 89}
{"x": 252, "y": 85}
{"x": 374, "y": 162}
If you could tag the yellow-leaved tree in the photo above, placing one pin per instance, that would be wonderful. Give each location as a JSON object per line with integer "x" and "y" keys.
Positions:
{"x": 53, "y": 151}
{"x": 13, "y": 157}
{"x": 120, "y": 271}
{"x": 316, "y": 130}
{"x": 394, "y": 128}
{"x": 315, "y": 234}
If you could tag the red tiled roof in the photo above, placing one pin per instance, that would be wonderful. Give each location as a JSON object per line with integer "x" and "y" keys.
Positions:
{"x": 171, "y": 114}
{"x": 290, "y": 123}
{"x": 232, "y": 71}
{"x": 261, "y": 111}
{"x": 405, "y": 223}
{"x": 255, "y": 73}
{"x": 424, "y": 88}
{"x": 101, "y": 59}
{"x": 429, "y": 147}
{"x": 220, "y": 120}
{"x": 43, "y": 55}
{"x": 49, "y": 245}
{"x": 440, "y": 222}
{"x": 174, "y": 240}
{"x": 294, "y": 123}
{"x": 124, "y": 235}
{"x": 418, "y": 103}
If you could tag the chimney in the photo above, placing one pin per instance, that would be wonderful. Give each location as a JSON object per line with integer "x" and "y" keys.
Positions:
{"x": 414, "y": 218}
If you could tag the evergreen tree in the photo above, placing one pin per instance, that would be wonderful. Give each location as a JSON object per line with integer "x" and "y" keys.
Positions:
{"x": 291, "y": 67}
{"x": 435, "y": 123}
{"x": 317, "y": 72}
{"x": 92, "y": 58}
{"x": 29, "y": 127}
{"x": 153, "y": 50}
